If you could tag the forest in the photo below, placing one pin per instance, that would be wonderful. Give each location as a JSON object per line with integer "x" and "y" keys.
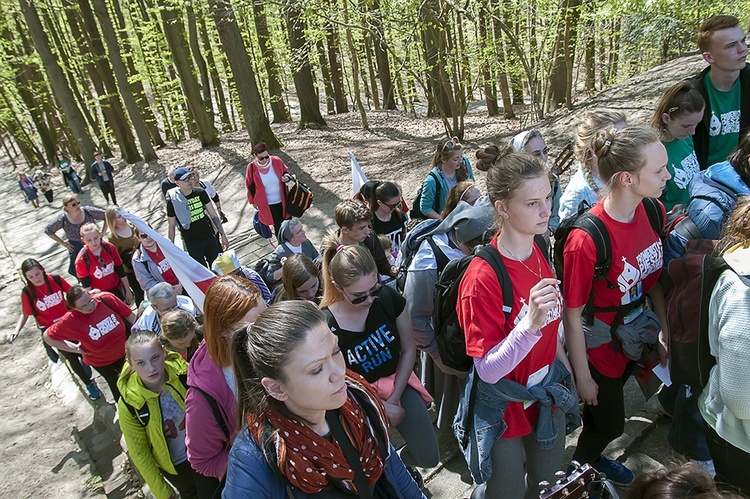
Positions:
{"x": 126, "y": 77}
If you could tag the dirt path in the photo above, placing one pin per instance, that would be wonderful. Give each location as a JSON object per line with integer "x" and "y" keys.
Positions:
{"x": 39, "y": 457}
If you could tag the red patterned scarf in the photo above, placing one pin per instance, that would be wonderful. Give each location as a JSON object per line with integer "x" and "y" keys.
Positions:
{"x": 311, "y": 462}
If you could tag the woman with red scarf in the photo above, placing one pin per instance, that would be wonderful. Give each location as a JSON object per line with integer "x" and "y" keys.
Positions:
{"x": 310, "y": 426}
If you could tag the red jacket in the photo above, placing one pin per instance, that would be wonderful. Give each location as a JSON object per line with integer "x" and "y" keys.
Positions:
{"x": 256, "y": 192}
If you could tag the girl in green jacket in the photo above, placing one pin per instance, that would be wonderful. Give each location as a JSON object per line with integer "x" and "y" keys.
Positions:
{"x": 152, "y": 415}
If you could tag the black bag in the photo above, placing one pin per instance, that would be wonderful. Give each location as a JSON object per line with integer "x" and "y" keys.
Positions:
{"x": 450, "y": 337}
{"x": 299, "y": 198}
{"x": 415, "y": 212}
{"x": 410, "y": 246}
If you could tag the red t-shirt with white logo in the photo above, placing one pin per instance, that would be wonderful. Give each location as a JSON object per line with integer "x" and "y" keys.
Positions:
{"x": 100, "y": 272}
{"x": 100, "y": 333}
{"x": 166, "y": 271}
{"x": 48, "y": 301}
{"x": 480, "y": 313}
{"x": 637, "y": 259}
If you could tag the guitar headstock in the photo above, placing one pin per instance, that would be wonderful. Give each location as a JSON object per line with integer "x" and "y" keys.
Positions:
{"x": 564, "y": 160}
{"x": 584, "y": 481}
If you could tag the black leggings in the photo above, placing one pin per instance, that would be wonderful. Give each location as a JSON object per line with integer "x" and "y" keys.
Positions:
{"x": 277, "y": 212}
{"x": 604, "y": 422}
{"x": 731, "y": 463}
{"x": 183, "y": 481}
{"x": 110, "y": 373}
{"x": 108, "y": 189}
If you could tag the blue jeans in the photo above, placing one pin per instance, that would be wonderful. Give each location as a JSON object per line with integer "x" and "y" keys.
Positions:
{"x": 686, "y": 434}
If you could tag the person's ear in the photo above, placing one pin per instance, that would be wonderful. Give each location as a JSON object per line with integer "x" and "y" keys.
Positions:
{"x": 274, "y": 389}
{"x": 501, "y": 209}
{"x": 666, "y": 118}
{"x": 626, "y": 179}
{"x": 338, "y": 288}
{"x": 708, "y": 57}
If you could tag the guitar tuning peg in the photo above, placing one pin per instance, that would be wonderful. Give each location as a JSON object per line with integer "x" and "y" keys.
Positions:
{"x": 575, "y": 464}
{"x": 560, "y": 475}
{"x": 543, "y": 484}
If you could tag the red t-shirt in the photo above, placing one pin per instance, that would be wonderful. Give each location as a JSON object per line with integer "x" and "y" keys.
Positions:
{"x": 480, "y": 313}
{"x": 49, "y": 302}
{"x": 637, "y": 260}
{"x": 166, "y": 271}
{"x": 100, "y": 273}
{"x": 100, "y": 333}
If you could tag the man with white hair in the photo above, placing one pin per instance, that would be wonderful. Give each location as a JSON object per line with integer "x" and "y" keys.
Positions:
{"x": 162, "y": 298}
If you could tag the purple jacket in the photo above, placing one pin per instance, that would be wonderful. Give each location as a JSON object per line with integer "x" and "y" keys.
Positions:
{"x": 207, "y": 445}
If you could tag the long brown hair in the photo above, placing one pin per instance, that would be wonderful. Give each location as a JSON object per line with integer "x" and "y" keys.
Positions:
{"x": 737, "y": 228}
{"x": 679, "y": 99}
{"x": 297, "y": 270}
{"x": 343, "y": 265}
{"x": 227, "y": 301}
{"x": 619, "y": 151}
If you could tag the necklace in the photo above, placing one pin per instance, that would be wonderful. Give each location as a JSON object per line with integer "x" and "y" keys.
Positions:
{"x": 538, "y": 273}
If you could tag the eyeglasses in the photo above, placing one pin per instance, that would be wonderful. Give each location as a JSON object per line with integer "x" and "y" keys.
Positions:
{"x": 374, "y": 293}
{"x": 73, "y": 204}
{"x": 87, "y": 304}
{"x": 543, "y": 152}
{"x": 264, "y": 157}
{"x": 392, "y": 206}
{"x": 143, "y": 235}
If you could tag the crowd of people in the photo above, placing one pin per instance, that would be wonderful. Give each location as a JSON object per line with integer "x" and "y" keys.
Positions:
{"x": 287, "y": 380}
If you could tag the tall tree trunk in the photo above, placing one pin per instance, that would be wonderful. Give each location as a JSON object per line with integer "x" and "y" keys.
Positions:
{"x": 326, "y": 73}
{"x": 57, "y": 80}
{"x": 502, "y": 74}
{"x": 253, "y": 110}
{"x": 371, "y": 72}
{"x": 434, "y": 46}
{"x": 174, "y": 30}
{"x": 121, "y": 73}
{"x": 221, "y": 100}
{"x": 195, "y": 50}
{"x": 134, "y": 78}
{"x": 488, "y": 82}
{"x": 381, "y": 56}
{"x": 25, "y": 143}
{"x": 590, "y": 60}
{"x": 355, "y": 71}
{"x": 275, "y": 88}
{"x": 561, "y": 78}
{"x": 309, "y": 103}
{"x": 334, "y": 61}
{"x": 116, "y": 120}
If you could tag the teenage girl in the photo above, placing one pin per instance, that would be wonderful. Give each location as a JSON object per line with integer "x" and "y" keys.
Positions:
{"x": 633, "y": 162}
{"x": 123, "y": 236}
{"x": 449, "y": 167}
{"x": 677, "y": 114}
{"x": 43, "y": 297}
{"x": 152, "y": 415}
{"x": 515, "y": 351}
{"x": 387, "y": 217}
{"x": 300, "y": 278}
{"x": 375, "y": 335}
{"x": 99, "y": 265}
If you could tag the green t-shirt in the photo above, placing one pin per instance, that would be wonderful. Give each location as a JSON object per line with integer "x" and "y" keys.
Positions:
{"x": 682, "y": 164}
{"x": 724, "y": 127}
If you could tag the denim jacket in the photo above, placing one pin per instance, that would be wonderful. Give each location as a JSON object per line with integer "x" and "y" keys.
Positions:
{"x": 477, "y": 432}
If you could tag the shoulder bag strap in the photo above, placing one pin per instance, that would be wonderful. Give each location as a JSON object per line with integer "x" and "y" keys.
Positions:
{"x": 351, "y": 455}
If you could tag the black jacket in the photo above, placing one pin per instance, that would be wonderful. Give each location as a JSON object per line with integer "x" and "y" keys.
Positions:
{"x": 702, "y": 137}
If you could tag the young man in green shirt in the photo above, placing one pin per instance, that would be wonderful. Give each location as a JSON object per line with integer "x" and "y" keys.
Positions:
{"x": 725, "y": 86}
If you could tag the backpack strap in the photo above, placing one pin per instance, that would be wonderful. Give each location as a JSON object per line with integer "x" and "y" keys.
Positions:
{"x": 350, "y": 453}
{"x": 438, "y": 190}
{"x": 31, "y": 295}
{"x": 491, "y": 255}
{"x": 655, "y": 215}
{"x": 215, "y": 409}
{"x": 141, "y": 415}
{"x": 594, "y": 227}
{"x": 440, "y": 259}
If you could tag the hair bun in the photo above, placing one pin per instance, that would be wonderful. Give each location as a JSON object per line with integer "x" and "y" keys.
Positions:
{"x": 490, "y": 156}
{"x": 603, "y": 142}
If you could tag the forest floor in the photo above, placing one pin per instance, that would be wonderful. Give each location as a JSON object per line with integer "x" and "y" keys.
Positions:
{"x": 51, "y": 437}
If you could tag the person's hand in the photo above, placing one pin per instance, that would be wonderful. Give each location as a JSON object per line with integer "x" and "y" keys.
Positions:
{"x": 224, "y": 242}
{"x": 67, "y": 246}
{"x": 282, "y": 261}
{"x": 587, "y": 390}
{"x": 11, "y": 336}
{"x": 286, "y": 177}
{"x": 128, "y": 297}
{"x": 395, "y": 413}
{"x": 223, "y": 217}
{"x": 543, "y": 297}
{"x": 177, "y": 288}
{"x": 663, "y": 348}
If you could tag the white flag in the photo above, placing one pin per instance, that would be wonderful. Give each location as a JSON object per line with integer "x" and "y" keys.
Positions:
{"x": 358, "y": 176}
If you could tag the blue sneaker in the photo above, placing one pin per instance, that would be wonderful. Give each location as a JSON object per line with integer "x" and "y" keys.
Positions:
{"x": 94, "y": 392}
{"x": 616, "y": 472}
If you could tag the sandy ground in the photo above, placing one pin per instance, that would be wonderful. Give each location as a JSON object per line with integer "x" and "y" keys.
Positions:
{"x": 39, "y": 458}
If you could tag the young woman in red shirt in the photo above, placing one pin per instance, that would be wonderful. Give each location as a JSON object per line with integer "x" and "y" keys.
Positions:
{"x": 518, "y": 350}
{"x": 94, "y": 327}
{"x": 43, "y": 296}
{"x": 633, "y": 163}
{"x": 99, "y": 265}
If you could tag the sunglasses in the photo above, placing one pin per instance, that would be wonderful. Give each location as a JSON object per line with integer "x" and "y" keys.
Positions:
{"x": 264, "y": 157}
{"x": 392, "y": 206}
{"x": 74, "y": 204}
{"x": 450, "y": 145}
{"x": 374, "y": 293}
{"x": 143, "y": 235}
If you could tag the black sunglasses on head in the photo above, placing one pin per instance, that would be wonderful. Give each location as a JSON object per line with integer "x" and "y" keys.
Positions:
{"x": 361, "y": 299}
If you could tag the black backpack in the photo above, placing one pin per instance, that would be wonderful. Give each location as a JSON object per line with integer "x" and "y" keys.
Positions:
{"x": 28, "y": 290}
{"x": 411, "y": 245}
{"x": 594, "y": 227}
{"x": 415, "y": 212}
{"x": 143, "y": 415}
{"x": 449, "y": 335}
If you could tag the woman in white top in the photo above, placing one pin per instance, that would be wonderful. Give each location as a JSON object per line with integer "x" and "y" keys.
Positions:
{"x": 264, "y": 178}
